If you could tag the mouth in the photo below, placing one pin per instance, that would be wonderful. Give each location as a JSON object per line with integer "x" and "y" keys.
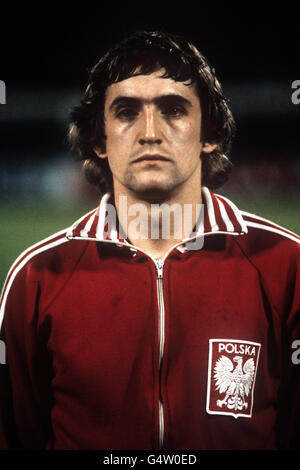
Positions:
{"x": 152, "y": 158}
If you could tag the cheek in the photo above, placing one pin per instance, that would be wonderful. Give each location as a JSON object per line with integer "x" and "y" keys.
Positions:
{"x": 188, "y": 134}
{"x": 115, "y": 140}
{"x": 118, "y": 137}
{"x": 117, "y": 148}
{"x": 114, "y": 132}
{"x": 187, "y": 128}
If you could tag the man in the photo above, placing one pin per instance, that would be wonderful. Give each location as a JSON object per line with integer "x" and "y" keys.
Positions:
{"x": 127, "y": 332}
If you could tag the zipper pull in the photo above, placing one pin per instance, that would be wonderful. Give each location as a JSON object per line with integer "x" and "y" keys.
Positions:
{"x": 159, "y": 268}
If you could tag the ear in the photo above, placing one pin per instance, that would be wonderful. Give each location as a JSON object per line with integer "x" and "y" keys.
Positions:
{"x": 100, "y": 154}
{"x": 208, "y": 148}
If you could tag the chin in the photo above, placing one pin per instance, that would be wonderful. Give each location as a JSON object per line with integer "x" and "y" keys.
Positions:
{"x": 153, "y": 192}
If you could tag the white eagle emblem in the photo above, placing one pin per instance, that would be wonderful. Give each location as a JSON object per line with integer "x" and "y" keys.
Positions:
{"x": 235, "y": 383}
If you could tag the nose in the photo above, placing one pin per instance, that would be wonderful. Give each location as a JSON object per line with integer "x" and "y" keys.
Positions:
{"x": 150, "y": 132}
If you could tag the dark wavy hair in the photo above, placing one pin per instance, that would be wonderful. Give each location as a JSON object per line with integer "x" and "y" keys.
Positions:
{"x": 143, "y": 53}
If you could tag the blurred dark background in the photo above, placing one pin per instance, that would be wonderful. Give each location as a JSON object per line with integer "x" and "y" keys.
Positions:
{"x": 46, "y": 51}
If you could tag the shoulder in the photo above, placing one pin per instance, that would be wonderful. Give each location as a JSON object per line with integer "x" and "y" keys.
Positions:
{"x": 17, "y": 275}
{"x": 258, "y": 233}
{"x": 274, "y": 252}
{"x": 49, "y": 244}
{"x": 266, "y": 229}
{"x": 51, "y": 258}
{"x": 56, "y": 245}
{"x": 271, "y": 248}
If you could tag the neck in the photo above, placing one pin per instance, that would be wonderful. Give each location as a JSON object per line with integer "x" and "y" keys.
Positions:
{"x": 156, "y": 224}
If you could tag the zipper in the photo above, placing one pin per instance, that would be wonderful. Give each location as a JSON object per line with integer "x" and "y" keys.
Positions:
{"x": 159, "y": 263}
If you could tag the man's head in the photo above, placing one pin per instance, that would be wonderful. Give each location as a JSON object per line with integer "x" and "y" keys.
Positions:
{"x": 158, "y": 64}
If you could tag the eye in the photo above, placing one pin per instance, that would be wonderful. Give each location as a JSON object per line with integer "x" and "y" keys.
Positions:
{"x": 127, "y": 113}
{"x": 173, "y": 111}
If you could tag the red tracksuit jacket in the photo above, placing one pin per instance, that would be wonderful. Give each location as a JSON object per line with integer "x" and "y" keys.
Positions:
{"x": 107, "y": 348}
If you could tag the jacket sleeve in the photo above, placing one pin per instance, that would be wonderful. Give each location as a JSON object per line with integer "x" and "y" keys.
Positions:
{"x": 24, "y": 370}
{"x": 288, "y": 424}
{"x": 277, "y": 261}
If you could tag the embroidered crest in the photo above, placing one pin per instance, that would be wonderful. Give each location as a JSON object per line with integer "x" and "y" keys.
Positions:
{"x": 232, "y": 369}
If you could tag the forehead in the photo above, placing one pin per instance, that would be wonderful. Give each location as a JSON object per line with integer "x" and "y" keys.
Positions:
{"x": 150, "y": 86}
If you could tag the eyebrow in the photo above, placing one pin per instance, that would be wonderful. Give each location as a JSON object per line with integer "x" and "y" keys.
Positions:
{"x": 158, "y": 100}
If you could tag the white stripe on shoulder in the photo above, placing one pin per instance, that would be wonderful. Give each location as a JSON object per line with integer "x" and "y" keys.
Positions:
{"x": 262, "y": 219}
{"x": 225, "y": 217}
{"x": 263, "y": 224}
{"x": 210, "y": 209}
{"x": 27, "y": 255}
{"x": 77, "y": 222}
{"x": 274, "y": 230}
{"x": 236, "y": 211}
{"x": 85, "y": 231}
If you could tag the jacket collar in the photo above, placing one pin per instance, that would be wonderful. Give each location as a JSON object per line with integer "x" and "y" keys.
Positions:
{"x": 220, "y": 216}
